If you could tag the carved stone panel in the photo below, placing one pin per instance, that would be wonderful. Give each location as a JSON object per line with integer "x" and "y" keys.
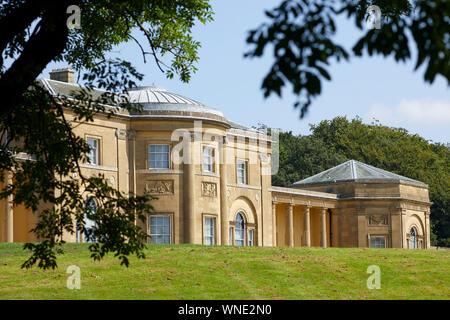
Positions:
{"x": 378, "y": 220}
{"x": 209, "y": 189}
{"x": 159, "y": 186}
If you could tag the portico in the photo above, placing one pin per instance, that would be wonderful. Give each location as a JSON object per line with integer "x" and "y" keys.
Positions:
{"x": 302, "y": 218}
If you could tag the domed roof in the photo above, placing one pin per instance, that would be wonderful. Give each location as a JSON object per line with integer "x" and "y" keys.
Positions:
{"x": 155, "y": 98}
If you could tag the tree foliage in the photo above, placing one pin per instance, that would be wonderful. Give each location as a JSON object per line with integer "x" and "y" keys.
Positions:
{"x": 301, "y": 33}
{"x": 34, "y": 123}
{"x": 332, "y": 142}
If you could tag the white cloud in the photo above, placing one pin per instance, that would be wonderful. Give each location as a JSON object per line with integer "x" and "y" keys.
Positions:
{"x": 428, "y": 112}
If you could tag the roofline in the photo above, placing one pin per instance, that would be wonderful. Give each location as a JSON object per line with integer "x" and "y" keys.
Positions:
{"x": 388, "y": 198}
{"x": 306, "y": 193}
{"x": 355, "y": 178}
{"x": 333, "y": 182}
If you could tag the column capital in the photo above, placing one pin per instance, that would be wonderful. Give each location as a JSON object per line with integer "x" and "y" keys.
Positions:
{"x": 131, "y": 134}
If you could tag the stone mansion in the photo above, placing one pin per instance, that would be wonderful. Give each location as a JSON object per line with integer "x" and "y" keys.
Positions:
{"x": 217, "y": 190}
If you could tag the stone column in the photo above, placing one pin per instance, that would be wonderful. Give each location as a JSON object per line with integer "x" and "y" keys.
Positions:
{"x": 223, "y": 193}
{"x": 9, "y": 211}
{"x": 426, "y": 242}
{"x": 323, "y": 227}
{"x": 290, "y": 214}
{"x": 188, "y": 195}
{"x": 274, "y": 224}
{"x": 307, "y": 226}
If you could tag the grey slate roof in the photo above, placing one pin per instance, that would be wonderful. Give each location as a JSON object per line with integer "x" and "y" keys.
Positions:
{"x": 153, "y": 98}
{"x": 66, "y": 89}
{"x": 353, "y": 170}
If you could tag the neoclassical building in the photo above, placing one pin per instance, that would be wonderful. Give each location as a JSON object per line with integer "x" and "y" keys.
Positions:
{"x": 212, "y": 181}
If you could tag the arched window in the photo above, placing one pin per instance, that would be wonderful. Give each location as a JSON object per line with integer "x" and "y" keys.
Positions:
{"x": 412, "y": 239}
{"x": 239, "y": 230}
{"x": 90, "y": 207}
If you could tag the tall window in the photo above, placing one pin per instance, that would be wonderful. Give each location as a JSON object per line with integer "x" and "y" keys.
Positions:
{"x": 209, "y": 230}
{"x": 158, "y": 155}
{"x": 90, "y": 207}
{"x": 412, "y": 239}
{"x": 93, "y": 153}
{"x": 251, "y": 241}
{"x": 160, "y": 229}
{"x": 377, "y": 242}
{"x": 208, "y": 154}
{"x": 230, "y": 236}
{"x": 239, "y": 230}
{"x": 241, "y": 172}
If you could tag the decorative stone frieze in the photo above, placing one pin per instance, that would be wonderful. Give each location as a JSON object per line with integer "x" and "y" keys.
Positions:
{"x": 378, "y": 220}
{"x": 159, "y": 186}
{"x": 209, "y": 189}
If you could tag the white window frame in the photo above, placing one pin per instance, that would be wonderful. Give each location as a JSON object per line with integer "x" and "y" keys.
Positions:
{"x": 208, "y": 165}
{"x": 94, "y": 151}
{"x": 158, "y": 153}
{"x": 243, "y": 231}
{"x": 251, "y": 239}
{"x": 243, "y": 170}
{"x": 209, "y": 231}
{"x": 375, "y": 238}
{"x": 168, "y": 216}
{"x": 88, "y": 223}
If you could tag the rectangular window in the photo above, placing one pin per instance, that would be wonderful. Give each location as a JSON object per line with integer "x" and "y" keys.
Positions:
{"x": 241, "y": 172}
{"x": 160, "y": 229}
{"x": 251, "y": 242}
{"x": 208, "y": 159}
{"x": 377, "y": 242}
{"x": 209, "y": 230}
{"x": 93, "y": 153}
{"x": 158, "y": 156}
{"x": 239, "y": 237}
{"x": 230, "y": 235}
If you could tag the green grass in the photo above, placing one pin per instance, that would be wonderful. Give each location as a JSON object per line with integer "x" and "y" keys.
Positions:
{"x": 199, "y": 272}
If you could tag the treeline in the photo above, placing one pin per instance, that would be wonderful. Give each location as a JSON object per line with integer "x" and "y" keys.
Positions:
{"x": 332, "y": 142}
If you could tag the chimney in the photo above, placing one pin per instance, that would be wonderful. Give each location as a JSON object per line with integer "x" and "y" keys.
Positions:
{"x": 62, "y": 74}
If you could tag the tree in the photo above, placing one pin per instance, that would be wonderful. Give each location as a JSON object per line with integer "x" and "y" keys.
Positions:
{"x": 332, "y": 142}
{"x": 35, "y": 33}
{"x": 301, "y": 34}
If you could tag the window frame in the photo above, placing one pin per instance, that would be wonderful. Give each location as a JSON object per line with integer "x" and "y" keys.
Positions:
{"x": 171, "y": 226}
{"x": 213, "y": 217}
{"x": 81, "y": 237}
{"x": 373, "y": 237}
{"x": 245, "y": 176}
{"x": 243, "y": 230}
{"x": 98, "y": 149}
{"x": 252, "y": 232}
{"x": 415, "y": 237}
{"x": 169, "y": 160}
{"x": 212, "y": 162}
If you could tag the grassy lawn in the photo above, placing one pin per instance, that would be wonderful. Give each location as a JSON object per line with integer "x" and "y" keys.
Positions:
{"x": 199, "y": 272}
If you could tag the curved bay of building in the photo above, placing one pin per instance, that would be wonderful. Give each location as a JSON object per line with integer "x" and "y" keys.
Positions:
{"x": 212, "y": 181}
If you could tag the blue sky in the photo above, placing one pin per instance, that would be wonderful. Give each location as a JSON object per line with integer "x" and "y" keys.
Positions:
{"x": 368, "y": 87}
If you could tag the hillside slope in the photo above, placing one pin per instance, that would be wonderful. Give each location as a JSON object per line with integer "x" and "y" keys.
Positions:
{"x": 199, "y": 272}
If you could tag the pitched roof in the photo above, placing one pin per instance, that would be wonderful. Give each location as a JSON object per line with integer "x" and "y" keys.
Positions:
{"x": 353, "y": 170}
